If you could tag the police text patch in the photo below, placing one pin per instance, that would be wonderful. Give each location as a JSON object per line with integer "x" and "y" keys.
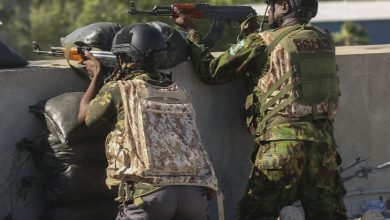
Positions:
{"x": 314, "y": 45}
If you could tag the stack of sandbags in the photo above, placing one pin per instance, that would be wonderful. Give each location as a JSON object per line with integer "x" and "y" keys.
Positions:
{"x": 9, "y": 58}
{"x": 72, "y": 157}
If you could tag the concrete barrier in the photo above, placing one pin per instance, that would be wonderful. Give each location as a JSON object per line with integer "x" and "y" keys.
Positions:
{"x": 362, "y": 123}
{"x": 360, "y": 127}
{"x": 19, "y": 89}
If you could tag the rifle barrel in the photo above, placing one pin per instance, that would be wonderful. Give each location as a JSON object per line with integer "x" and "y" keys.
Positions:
{"x": 382, "y": 166}
{"x": 156, "y": 11}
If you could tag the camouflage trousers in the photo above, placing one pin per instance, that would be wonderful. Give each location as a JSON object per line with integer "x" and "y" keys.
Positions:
{"x": 287, "y": 171}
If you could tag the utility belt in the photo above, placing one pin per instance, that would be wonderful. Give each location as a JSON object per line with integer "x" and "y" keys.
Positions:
{"x": 277, "y": 120}
{"x": 133, "y": 192}
{"x": 256, "y": 126}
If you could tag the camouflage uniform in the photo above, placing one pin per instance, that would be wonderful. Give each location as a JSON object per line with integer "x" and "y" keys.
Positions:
{"x": 295, "y": 156}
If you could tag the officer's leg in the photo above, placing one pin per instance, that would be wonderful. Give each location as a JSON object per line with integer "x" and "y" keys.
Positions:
{"x": 159, "y": 205}
{"x": 192, "y": 203}
{"x": 274, "y": 180}
{"x": 322, "y": 191}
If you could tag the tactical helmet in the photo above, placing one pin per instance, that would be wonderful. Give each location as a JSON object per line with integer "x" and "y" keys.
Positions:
{"x": 303, "y": 8}
{"x": 144, "y": 44}
{"x": 178, "y": 46}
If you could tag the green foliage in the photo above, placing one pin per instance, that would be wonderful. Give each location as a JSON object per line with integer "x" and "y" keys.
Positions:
{"x": 14, "y": 28}
{"x": 46, "y": 21}
{"x": 351, "y": 33}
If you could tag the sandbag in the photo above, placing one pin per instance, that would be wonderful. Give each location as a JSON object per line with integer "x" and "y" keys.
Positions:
{"x": 58, "y": 156}
{"x": 83, "y": 210}
{"x": 72, "y": 172}
{"x": 78, "y": 182}
{"x": 9, "y": 58}
{"x": 50, "y": 155}
{"x": 60, "y": 114}
{"x": 99, "y": 35}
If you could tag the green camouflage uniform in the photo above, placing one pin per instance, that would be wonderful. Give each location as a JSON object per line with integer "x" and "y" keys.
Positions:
{"x": 295, "y": 157}
{"x": 107, "y": 106}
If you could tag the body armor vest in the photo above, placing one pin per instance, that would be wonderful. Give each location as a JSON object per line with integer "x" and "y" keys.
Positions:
{"x": 302, "y": 80}
{"x": 160, "y": 144}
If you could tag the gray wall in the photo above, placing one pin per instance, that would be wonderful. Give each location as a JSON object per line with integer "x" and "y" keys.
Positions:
{"x": 218, "y": 115}
{"x": 360, "y": 126}
{"x": 363, "y": 121}
{"x": 19, "y": 89}
{"x": 222, "y": 131}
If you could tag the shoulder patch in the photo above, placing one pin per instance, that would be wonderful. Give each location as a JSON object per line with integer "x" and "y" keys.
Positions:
{"x": 234, "y": 49}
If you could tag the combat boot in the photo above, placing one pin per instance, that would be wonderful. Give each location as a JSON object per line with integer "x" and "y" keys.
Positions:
{"x": 291, "y": 213}
{"x": 372, "y": 215}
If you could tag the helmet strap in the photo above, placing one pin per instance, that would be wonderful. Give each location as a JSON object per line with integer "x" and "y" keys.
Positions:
{"x": 275, "y": 22}
{"x": 279, "y": 21}
{"x": 262, "y": 21}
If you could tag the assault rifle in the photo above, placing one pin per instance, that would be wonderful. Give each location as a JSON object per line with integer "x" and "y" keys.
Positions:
{"x": 219, "y": 14}
{"x": 364, "y": 171}
{"x": 107, "y": 58}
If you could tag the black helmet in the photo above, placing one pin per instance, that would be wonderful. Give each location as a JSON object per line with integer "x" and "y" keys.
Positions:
{"x": 178, "y": 49}
{"x": 144, "y": 44}
{"x": 303, "y": 8}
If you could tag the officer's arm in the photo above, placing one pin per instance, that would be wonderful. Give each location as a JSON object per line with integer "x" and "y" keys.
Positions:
{"x": 94, "y": 68}
{"x": 231, "y": 64}
{"x": 101, "y": 109}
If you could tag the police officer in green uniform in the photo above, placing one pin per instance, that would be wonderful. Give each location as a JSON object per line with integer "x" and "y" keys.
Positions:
{"x": 293, "y": 85}
{"x": 140, "y": 49}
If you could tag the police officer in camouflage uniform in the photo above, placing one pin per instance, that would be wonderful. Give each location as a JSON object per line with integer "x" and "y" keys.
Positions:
{"x": 293, "y": 93}
{"x": 139, "y": 49}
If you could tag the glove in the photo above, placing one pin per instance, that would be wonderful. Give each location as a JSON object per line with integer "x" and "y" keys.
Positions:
{"x": 253, "y": 25}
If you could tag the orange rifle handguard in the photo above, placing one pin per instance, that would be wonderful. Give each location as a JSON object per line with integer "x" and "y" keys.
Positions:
{"x": 188, "y": 9}
{"x": 74, "y": 55}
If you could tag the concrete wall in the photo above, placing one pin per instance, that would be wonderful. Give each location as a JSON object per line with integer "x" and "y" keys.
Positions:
{"x": 19, "y": 89}
{"x": 218, "y": 115}
{"x": 223, "y": 133}
{"x": 360, "y": 125}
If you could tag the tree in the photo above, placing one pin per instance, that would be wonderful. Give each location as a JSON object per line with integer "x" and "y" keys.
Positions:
{"x": 46, "y": 21}
{"x": 16, "y": 24}
{"x": 351, "y": 33}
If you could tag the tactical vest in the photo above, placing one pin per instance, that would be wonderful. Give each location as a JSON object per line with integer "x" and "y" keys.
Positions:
{"x": 302, "y": 80}
{"x": 160, "y": 144}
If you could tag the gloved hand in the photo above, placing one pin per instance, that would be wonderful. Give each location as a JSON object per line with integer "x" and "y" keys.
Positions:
{"x": 252, "y": 25}
{"x": 249, "y": 26}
